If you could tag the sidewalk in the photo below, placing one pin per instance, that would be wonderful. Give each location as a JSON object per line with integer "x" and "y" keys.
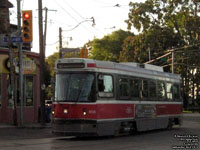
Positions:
{"x": 33, "y": 126}
{"x": 30, "y": 131}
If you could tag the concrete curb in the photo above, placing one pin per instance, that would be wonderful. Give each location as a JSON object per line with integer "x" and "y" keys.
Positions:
{"x": 28, "y": 126}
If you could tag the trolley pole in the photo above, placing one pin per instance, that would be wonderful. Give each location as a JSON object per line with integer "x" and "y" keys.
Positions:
{"x": 41, "y": 46}
{"x": 20, "y": 65}
{"x": 173, "y": 61}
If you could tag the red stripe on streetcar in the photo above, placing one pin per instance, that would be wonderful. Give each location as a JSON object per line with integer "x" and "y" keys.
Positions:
{"x": 108, "y": 111}
{"x": 96, "y": 111}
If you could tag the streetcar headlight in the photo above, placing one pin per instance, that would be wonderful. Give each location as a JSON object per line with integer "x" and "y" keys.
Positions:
{"x": 84, "y": 111}
{"x": 65, "y": 111}
{"x": 53, "y": 112}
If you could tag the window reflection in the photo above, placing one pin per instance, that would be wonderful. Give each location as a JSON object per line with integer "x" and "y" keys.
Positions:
{"x": 105, "y": 85}
{"x": 74, "y": 87}
{"x": 169, "y": 91}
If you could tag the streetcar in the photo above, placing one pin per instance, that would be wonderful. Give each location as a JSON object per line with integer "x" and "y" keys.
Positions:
{"x": 102, "y": 98}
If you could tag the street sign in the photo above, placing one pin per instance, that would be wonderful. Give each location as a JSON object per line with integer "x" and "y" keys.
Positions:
{"x": 14, "y": 39}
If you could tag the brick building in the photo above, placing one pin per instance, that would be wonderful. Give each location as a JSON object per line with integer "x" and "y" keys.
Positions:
{"x": 31, "y": 77}
{"x": 4, "y": 15}
{"x": 31, "y": 88}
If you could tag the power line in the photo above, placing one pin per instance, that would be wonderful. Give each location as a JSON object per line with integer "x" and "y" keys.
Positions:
{"x": 78, "y": 15}
{"x": 73, "y": 9}
{"x": 170, "y": 51}
{"x": 52, "y": 43}
{"x": 66, "y": 11}
{"x": 72, "y": 16}
{"x": 102, "y": 2}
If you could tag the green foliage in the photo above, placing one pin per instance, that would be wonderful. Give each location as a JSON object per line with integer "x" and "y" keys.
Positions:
{"x": 50, "y": 61}
{"x": 108, "y": 48}
{"x": 164, "y": 25}
{"x": 134, "y": 49}
{"x": 49, "y": 74}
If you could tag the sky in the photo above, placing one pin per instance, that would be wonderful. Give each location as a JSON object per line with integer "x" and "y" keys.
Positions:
{"x": 75, "y": 14}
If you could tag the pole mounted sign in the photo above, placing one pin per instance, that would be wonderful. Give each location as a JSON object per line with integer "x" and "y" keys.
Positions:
{"x": 14, "y": 39}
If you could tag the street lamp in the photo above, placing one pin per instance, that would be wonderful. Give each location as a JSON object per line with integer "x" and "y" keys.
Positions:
{"x": 60, "y": 32}
{"x": 86, "y": 20}
{"x": 110, "y": 28}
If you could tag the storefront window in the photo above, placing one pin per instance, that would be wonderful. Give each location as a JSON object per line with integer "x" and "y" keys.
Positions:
{"x": 28, "y": 91}
{"x": 28, "y": 95}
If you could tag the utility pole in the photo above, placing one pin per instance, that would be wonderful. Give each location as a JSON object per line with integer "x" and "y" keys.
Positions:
{"x": 20, "y": 65}
{"x": 60, "y": 42}
{"x": 45, "y": 27}
{"x": 60, "y": 33}
{"x": 12, "y": 69}
{"x": 41, "y": 46}
{"x": 45, "y": 30}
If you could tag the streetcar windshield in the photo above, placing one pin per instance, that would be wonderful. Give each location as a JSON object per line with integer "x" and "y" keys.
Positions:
{"x": 74, "y": 87}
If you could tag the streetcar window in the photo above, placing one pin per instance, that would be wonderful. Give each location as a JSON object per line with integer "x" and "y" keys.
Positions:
{"x": 161, "y": 90}
{"x": 124, "y": 88}
{"x": 74, "y": 87}
{"x": 144, "y": 89}
{"x": 169, "y": 91}
{"x": 176, "y": 93}
{"x": 152, "y": 89}
{"x": 135, "y": 88}
{"x": 105, "y": 85}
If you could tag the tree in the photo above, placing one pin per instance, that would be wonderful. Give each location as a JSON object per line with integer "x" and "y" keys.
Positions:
{"x": 154, "y": 41}
{"x": 175, "y": 20}
{"x": 50, "y": 63}
{"x": 134, "y": 49}
{"x": 108, "y": 48}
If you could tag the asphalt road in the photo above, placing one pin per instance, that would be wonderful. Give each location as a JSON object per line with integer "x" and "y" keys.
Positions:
{"x": 185, "y": 137}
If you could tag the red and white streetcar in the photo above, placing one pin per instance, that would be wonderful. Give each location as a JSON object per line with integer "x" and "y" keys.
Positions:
{"x": 105, "y": 98}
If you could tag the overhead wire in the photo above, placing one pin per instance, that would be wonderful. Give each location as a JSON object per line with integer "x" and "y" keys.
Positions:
{"x": 71, "y": 15}
{"x": 66, "y": 11}
{"x": 52, "y": 43}
{"x": 102, "y": 2}
{"x": 79, "y": 16}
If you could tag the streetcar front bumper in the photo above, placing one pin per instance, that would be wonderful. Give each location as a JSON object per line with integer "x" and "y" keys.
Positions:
{"x": 74, "y": 127}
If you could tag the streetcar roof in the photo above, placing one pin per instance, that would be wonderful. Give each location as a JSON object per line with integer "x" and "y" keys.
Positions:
{"x": 80, "y": 64}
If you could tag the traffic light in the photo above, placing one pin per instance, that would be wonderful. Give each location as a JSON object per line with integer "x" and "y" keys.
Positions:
{"x": 84, "y": 53}
{"x": 27, "y": 34}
